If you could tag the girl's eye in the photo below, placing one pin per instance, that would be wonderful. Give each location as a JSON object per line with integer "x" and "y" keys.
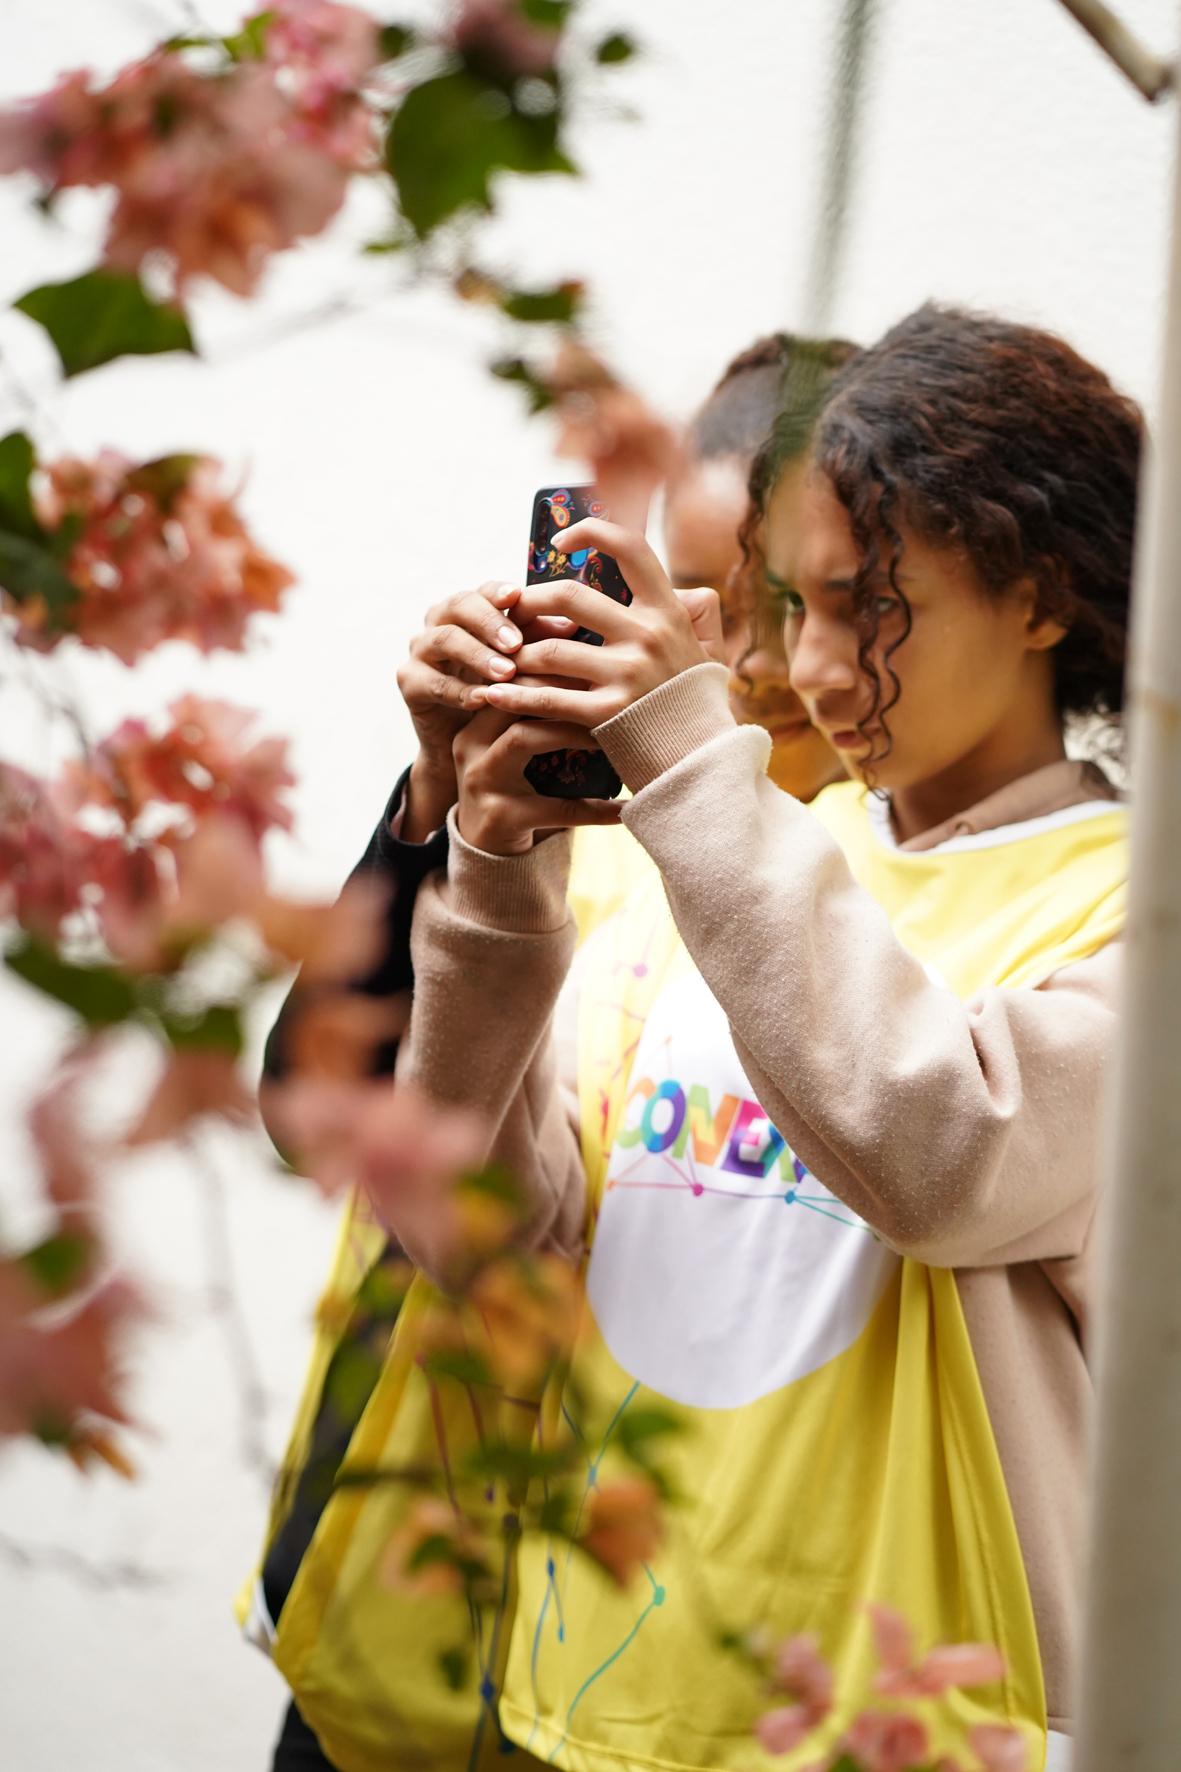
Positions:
{"x": 790, "y": 602}
{"x": 884, "y": 606}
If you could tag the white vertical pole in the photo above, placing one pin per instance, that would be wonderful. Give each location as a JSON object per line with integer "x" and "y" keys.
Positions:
{"x": 1129, "y": 1686}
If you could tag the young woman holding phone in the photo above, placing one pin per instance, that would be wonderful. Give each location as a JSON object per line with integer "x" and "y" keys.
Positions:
{"x": 839, "y": 1068}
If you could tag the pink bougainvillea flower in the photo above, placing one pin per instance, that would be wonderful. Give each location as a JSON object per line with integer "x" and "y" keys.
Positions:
{"x": 999, "y": 1748}
{"x": 630, "y": 449}
{"x": 885, "y": 1741}
{"x": 202, "y": 760}
{"x": 58, "y": 1363}
{"x": 63, "y": 1148}
{"x": 944, "y": 1668}
{"x": 801, "y": 1670}
{"x": 624, "y": 1526}
{"x": 405, "y": 1151}
{"x": 779, "y": 1731}
{"x": 214, "y": 171}
{"x": 326, "y": 53}
{"x": 530, "y": 1310}
{"x": 437, "y": 1550}
{"x": 335, "y": 1033}
{"x": 329, "y": 942}
{"x": 43, "y": 857}
{"x": 496, "y": 35}
{"x": 893, "y": 1638}
{"x": 220, "y": 195}
{"x": 161, "y": 554}
{"x": 58, "y": 135}
{"x": 192, "y": 1084}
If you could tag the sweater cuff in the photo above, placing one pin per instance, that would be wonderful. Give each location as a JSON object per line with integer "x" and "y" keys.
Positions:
{"x": 668, "y": 723}
{"x": 391, "y": 849}
{"x": 517, "y": 894}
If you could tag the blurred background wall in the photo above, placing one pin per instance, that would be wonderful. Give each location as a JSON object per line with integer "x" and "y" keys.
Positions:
{"x": 1004, "y": 163}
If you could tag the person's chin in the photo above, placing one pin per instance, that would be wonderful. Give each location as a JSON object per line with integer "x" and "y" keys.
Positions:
{"x": 804, "y": 766}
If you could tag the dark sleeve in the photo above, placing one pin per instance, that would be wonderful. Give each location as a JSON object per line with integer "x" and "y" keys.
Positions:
{"x": 401, "y": 867}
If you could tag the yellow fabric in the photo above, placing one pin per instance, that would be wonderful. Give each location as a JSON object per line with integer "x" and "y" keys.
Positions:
{"x": 876, "y": 1475}
{"x": 362, "y": 1658}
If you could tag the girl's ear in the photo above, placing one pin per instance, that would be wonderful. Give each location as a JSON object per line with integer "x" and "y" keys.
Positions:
{"x": 1042, "y": 629}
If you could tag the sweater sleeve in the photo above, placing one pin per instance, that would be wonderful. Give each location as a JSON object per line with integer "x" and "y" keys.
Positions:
{"x": 966, "y": 1134}
{"x": 491, "y": 945}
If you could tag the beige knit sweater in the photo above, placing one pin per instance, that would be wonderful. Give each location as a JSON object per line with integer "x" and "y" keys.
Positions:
{"x": 965, "y": 1134}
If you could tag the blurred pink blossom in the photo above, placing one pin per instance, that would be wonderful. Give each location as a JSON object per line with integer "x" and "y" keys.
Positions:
{"x": 999, "y": 1748}
{"x": 802, "y": 1671}
{"x": 161, "y": 554}
{"x": 496, "y": 35}
{"x": 202, "y": 761}
{"x": 779, "y": 1731}
{"x": 191, "y": 1084}
{"x": 948, "y": 1666}
{"x": 325, "y": 53}
{"x": 629, "y": 447}
{"x": 64, "y": 1149}
{"x": 58, "y": 1362}
{"x": 215, "y": 170}
{"x": 885, "y": 1741}
{"x": 624, "y": 1526}
{"x": 43, "y": 856}
{"x": 403, "y": 1150}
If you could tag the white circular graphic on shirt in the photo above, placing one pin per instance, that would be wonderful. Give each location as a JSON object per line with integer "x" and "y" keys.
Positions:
{"x": 721, "y": 1268}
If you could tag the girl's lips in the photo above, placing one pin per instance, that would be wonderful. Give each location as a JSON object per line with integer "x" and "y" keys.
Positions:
{"x": 786, "y": 731}
{"x": 848, "y": 738}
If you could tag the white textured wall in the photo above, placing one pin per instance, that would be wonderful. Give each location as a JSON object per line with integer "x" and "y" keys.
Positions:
{"x": 1005, "y": 164}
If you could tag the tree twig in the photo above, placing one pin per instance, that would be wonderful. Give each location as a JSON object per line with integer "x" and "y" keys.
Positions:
{"x": 1148, "y": 73}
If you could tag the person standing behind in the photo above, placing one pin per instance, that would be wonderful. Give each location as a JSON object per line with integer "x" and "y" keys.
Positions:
{"x": 379, "y": 1699}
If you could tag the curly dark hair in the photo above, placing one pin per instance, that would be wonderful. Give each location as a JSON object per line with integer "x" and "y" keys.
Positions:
{"x": 981, "y": 434}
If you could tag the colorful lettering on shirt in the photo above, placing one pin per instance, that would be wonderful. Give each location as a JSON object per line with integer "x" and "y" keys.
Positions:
{"x": 738, "y": 1137}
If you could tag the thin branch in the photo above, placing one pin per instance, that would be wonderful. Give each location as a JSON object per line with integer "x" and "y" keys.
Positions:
{"x": 253, "y": 1402}
{"x": 58, "y": 1560}
{"x": 1148, "y": 73}
{"x": 839, "y": 164}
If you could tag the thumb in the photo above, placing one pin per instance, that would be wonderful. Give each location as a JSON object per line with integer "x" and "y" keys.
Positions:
{"x": 705, "y": 612}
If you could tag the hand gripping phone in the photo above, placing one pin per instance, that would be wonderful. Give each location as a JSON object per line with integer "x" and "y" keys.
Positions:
{"x": 572, "y": 775}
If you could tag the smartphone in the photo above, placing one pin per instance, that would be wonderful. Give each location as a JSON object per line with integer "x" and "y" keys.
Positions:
{"x": 572, "y": 775}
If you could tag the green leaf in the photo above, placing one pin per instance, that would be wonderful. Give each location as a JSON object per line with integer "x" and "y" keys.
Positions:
{"x": 217, "y": 1028}
{"x": 395, "y": 40}
{"x": 494, "y": 1181}
{"x": 461, "y": 1364}
{"x": 452, "y": 135}
{"x": 519, "y": 1464}
{"x": 533, "y": 307}
{"x": 58, "y": 1263}
{"x": 28, "y": 571}
{"x": 100, "y": 995}
{"x": 636, "y": 1429}
{"x": 383, "y": 1291}
{"x": 552, "y": 14}
{"x": 618, "y": 47}
{"x": 103, "y": 315}
{"x": 516, "y": 370}
{"x": 454, "y": 1665}
{"x": 250, "y": 43}
{"x": 349, "y": 1382}
{"x": 164, "y": 478}
{"x": 17, "y": 461}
